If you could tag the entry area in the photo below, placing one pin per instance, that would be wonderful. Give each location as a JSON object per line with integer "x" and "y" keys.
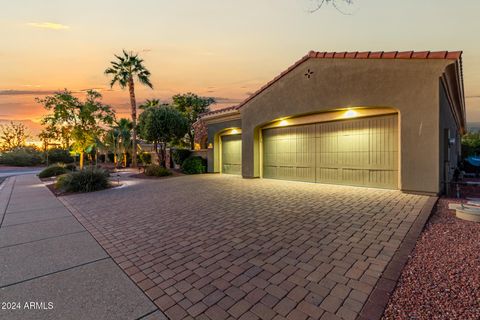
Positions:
{"x": 232, "y": 154}
{"x": 357, "y": 152}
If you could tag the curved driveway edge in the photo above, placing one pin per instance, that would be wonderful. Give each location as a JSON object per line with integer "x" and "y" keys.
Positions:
{"x": 52, "y": 268}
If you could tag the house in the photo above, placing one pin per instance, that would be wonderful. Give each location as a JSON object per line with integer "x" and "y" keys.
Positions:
{"x": 389, "y": 120}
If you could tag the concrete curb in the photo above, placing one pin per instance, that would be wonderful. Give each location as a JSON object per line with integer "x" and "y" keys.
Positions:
{"x": 6, "y": 189}
{"x": 378, "y": 299}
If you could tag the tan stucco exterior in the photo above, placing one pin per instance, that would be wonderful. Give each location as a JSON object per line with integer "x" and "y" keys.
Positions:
{"x": 415, "y": 88}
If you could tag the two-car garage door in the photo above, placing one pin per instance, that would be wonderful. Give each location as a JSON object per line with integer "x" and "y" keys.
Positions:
{"x": 361, "y": 152}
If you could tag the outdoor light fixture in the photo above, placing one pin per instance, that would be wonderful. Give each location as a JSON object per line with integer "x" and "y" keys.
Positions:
{"x": 350, "y": 114}
{"x": 234, "y": 131}
{"x": 283, "y": 123}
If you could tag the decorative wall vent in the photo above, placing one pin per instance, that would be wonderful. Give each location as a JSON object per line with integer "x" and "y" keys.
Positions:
{"x": 308, "y": 74}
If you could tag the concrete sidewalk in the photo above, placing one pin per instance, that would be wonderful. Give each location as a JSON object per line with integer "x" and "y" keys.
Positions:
{"x": 52, "y": 268}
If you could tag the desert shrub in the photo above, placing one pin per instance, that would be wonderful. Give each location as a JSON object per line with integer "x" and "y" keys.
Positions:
{"x": 86, "y": 180}
{"x": 59, "y": 156}
{"x": 52, "y": 171}
{"x": 180, "y": 155}
{"x": 194, "y": 165}
{"x": 111, "y": 157}
{"x": 71, "y": 167}
{"x": 145, "y": 158}
{"x": 22, "y": 157}
{"x": 157, "y": 171}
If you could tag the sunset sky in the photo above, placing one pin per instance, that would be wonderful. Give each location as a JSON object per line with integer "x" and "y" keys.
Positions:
{"x": 220, "y": 48}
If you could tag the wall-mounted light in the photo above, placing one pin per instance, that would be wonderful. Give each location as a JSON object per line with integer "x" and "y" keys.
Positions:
{"x": 350, "y": 114}
{"x": 234, "y": 131}
{"x": 283, "y": 123}
{"x": 210, "y": 146}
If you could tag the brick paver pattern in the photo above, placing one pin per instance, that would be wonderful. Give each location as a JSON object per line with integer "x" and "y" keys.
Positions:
{"x": 222, "y": 247}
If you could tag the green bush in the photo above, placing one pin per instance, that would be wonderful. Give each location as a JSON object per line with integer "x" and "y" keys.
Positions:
{"x": 194, "y": 165}
{"x": 180, "y": 155}
{"x": 52, "y": 171}
{"x": 86, "y": 180}
{"x": 145, "y": 158}
{"x": 71, "y": 167}
{"x": 59, "y": 156}
{"x": 157, "y": 171}
{"x": 111, "y": 157}
{"x": 22, "y": 157}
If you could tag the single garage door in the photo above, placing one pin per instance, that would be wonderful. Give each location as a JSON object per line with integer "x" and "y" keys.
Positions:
{"x": 232, "y": 154}
{"x": 358, "y": 152}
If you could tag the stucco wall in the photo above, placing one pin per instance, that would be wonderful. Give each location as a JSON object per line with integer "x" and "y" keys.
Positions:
{"x": 410, "y": 86}
{"x": 449, "y": 154}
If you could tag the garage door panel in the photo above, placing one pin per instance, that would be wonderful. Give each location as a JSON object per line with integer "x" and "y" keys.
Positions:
{"x": 305, "y": 174}
{"x": 383, "y": 160}
{"x": 232, "y": 154}
{"x": 270, "y": 171}
{"x": 381, "y": 178}
{"x": 327, "y": 174}
{"x": 360, "y": 152}
{"x": 291, "y": 173}
{"x": 353, "y": 176}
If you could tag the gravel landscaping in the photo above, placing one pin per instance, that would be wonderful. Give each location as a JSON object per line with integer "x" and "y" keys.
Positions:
{"x": 442, "y": 277}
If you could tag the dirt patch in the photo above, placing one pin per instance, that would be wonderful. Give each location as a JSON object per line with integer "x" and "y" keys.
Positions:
{"x": 442, "y": 277}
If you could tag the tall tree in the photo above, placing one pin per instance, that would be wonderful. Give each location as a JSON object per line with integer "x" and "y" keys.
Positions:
{"x": 124, "y": 70}
{"x": 124, "y": 129}
{"x": 191, "y": 106}
{"x": 110, "y": 141}
{"x": 86, "y": 119}
{"x": 47, "y": 135}
{"x": 162, "y": 125}
{"x": 13, "y": 135}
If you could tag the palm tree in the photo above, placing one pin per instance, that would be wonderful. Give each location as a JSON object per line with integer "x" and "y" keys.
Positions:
{"x": 124, "y": 70}
{"x": 150, "y": 103}
{"x": 110, "y": 143}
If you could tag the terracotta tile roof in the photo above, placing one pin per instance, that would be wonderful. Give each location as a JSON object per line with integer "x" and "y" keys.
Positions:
{"x": 450, "y": 55}
{"x": 223, "y": 110}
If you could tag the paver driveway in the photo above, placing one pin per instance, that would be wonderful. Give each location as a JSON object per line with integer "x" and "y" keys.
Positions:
{"x": 218, "y": 247}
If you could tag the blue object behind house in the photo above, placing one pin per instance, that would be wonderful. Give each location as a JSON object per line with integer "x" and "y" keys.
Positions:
{"x": 474, "y": 161}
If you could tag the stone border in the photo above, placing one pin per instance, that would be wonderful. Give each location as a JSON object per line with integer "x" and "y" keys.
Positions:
{"x": 378, "y": 299}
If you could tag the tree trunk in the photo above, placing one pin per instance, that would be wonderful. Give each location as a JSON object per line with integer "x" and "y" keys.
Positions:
{"x": 159, "y": 154}
{"x": 133, "y": 103}
{"x": 160, "y": 149}
{"x": 125, "y": 159}
{"x": 81, "y": 160}
{"x": 191, "y": 136}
